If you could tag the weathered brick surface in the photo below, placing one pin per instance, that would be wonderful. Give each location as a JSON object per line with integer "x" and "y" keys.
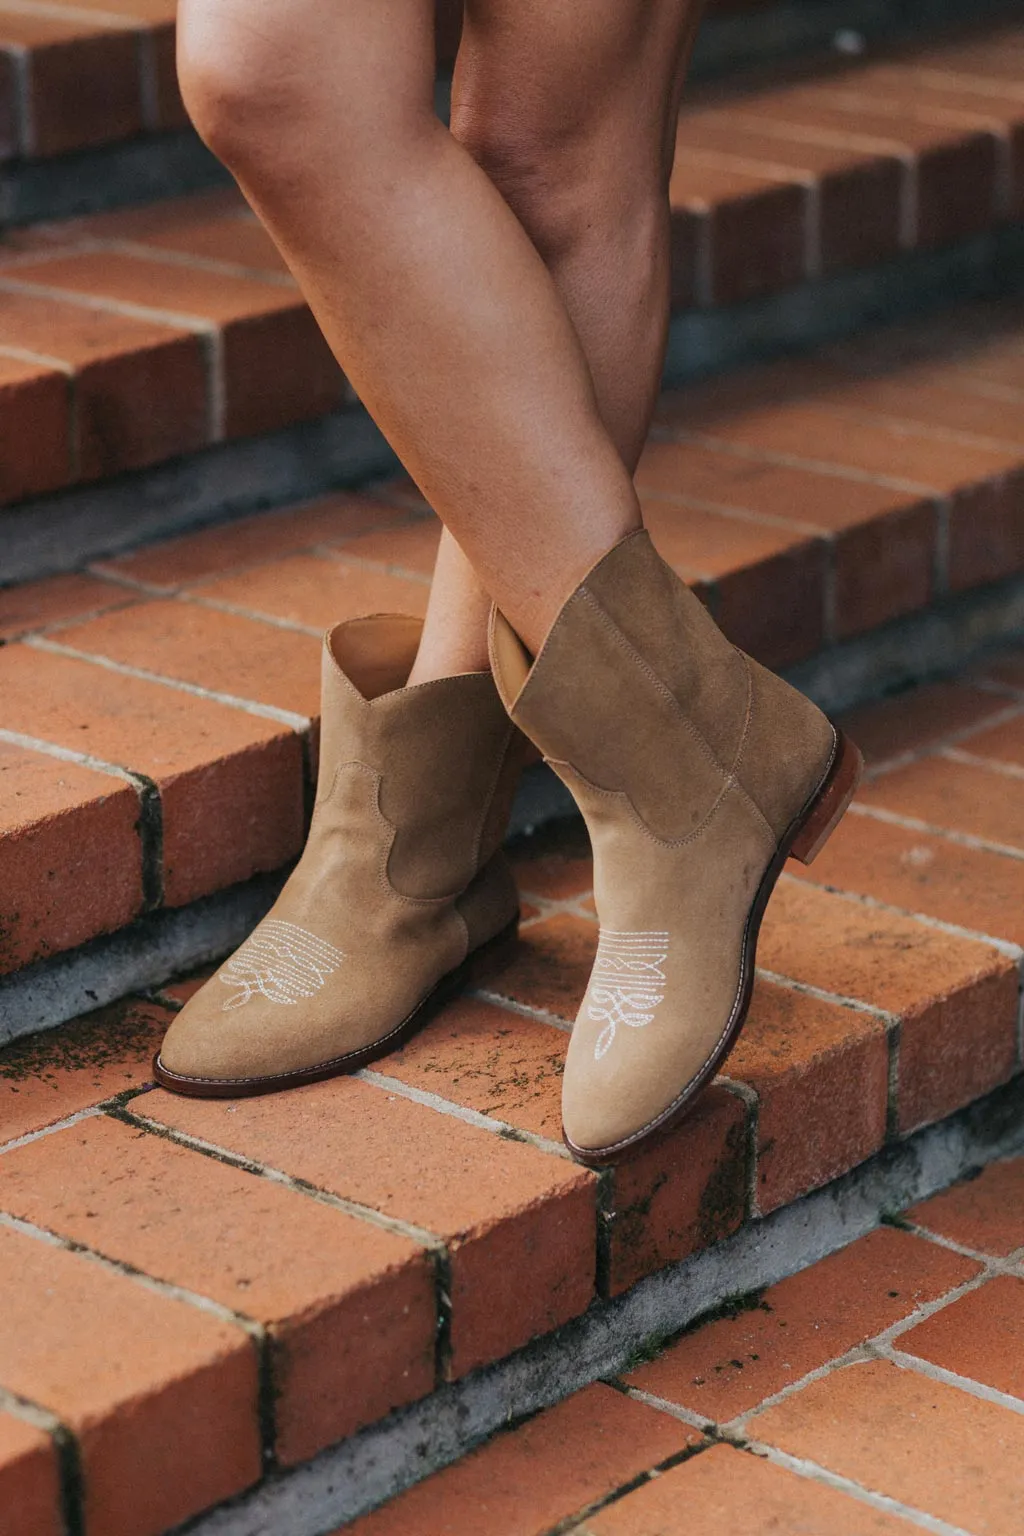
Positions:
{"x": 37, "y": 604}
{"x": 230, "y": 783}
{"x": 940, "y": 1450}
{"x": 956, "y": 1001}
{"x": 70, "y": 855}
{"x": 986, "y": 1213}
{"x": 725, "y": 1490}
{"x": 519, "y": 1224}
{"x": 731, "y": 1365}
{"x": 161, "y": 1397}
{"x": 29, "y": 1481}
{"x": 538, "y": 1476}
{"x": 35, "y": 444}
{"x": 349, "y": 1308}
{"x": 45, "y": 1078}
{"x": 820, "y": 1072}
{"x": 980, "y": 1336}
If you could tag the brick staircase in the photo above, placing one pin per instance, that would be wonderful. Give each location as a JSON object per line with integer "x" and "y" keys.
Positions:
{"x": 190, "y": 494}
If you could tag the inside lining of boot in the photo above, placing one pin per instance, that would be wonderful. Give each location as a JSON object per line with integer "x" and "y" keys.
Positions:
{"x": 376, "y": 653}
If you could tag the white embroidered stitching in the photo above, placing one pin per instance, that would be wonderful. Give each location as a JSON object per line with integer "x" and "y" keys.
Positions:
{"x": 626, "y": 984}
{"x": 281, "y": 961}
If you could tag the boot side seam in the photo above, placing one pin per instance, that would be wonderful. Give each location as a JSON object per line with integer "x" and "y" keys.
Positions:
{"x": 629, "y": 649}
{"x": 641, "y": 825}
{"x": 744, "y": 738}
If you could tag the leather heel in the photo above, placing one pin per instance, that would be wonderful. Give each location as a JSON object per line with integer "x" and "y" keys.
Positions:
{"x": 831, "y": 804}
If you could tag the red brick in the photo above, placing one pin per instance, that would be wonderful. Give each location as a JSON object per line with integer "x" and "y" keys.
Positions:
{"x": 230, "y": 783}
{"x": 1001, "y": 744}
{"x": 36, "y": 604}
{"x": 35, "y": 429}
{"x": 858, "y": 193}
{"x": 9, "y": 144}
{"x": 83, "y": 81}
{"x": 956, "y": 1000}
{"x": 213, "y": 552}
{"x": 768, "y": 581}
{"x": 161, "y": 1397}
{"x": 530, "y": 1479}
{"x": 208, "y": 226}
{"x": 956, "y": 796}
{"x": 917, "y": 717}
{"x": 955, "y": 169}
{"x": 70, "y": 855}
{"x": 821, "y": 1074}
{"x": 724, "y": 1489}
{"x": 491, "y": 1060}
{"x": 980, "y": 1336}
{"x": 666, "y": 1205}
{"x": 685, "y": 1192}
{"x": 139, "y": 389}
{"x": 168, "y": 107}
{"x": 550, "y": 968}
{"x": 29, "y": 1481}
{"x": 729, "y": 1366}
{"x": 985, "y": 1213}
{"x": 931, "y": 1446}
{"x": 317, "y": 592}
{"x": 905, "y": 454}
{"x": 351, "y": 1326}
{"x": 48, "y": 1076}
{"x": 883, "y": 541}
{"x": 519, "y": 1223}
{"x": 754, "y": 227}
{"x": 267, "y": 331}
{"x": 220, "y": 651}
{"x": 410, "y": 549}
{"x": 979, "y": 891}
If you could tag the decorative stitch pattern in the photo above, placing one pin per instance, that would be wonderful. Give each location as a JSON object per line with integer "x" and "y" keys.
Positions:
{"x": 280, "y": 961}
{"x": 627, "y": 983}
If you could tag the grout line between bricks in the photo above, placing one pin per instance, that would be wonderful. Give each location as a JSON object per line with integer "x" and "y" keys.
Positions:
{"x": 150, "y": 825}
{"x": 948, "y": 834}
{"x": 880, "y": 1501}
{"x": 920, "y": 1367}
{"x": 65, "y": 1444}
{"x": 992, "y": 764}
{"x": 751, "y": 1132}
{"x": 436, "y": 1248}
{"x": 48, "y": 1130}
{"x": 825, "y": 996}
{"x": 472, "y": 1117}
{"x": 575, "y": 1524}
{"x": 899, "y": 760}
{"x": 287, "y": 717}
{"x": 828, "y": 467}
{"x": 161, "y": 254}
{"x": 955, "y": 930}
{"x": 220, "y": 1154}
{"x": 539, "y": 1015}
{"x": 248, "y": 613}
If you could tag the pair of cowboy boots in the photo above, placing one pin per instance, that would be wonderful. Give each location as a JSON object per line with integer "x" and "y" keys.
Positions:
{"x": 697, "y": 772}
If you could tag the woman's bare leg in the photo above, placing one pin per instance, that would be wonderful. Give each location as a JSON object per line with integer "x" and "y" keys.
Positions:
{"x": 424, "y": 281}
{"x": 582, "y": 155}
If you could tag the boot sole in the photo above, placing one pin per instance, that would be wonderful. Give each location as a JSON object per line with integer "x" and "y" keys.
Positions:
{"x": 803, "y": 840}
{"x": 476, "y": 967}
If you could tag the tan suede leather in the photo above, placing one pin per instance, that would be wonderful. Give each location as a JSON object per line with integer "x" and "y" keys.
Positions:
{"x": 401, "y": 879}
{"x": 690, "y": 764}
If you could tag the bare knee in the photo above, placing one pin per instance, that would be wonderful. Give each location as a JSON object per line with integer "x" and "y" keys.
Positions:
{"x": 570, "y": 180}
{"x": 264, "y": 80}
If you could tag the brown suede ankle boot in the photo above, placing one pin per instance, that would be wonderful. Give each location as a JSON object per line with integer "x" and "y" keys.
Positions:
{"x": 402, "y": 891}
{"x": 698, "y": 773}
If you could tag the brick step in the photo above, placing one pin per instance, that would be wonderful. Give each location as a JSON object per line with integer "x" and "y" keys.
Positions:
{"x": 132, "y": 339}
{"x": 158, "y": 727}
{"x": 83, "y": 81}
{"x": 428, "y": 1225}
